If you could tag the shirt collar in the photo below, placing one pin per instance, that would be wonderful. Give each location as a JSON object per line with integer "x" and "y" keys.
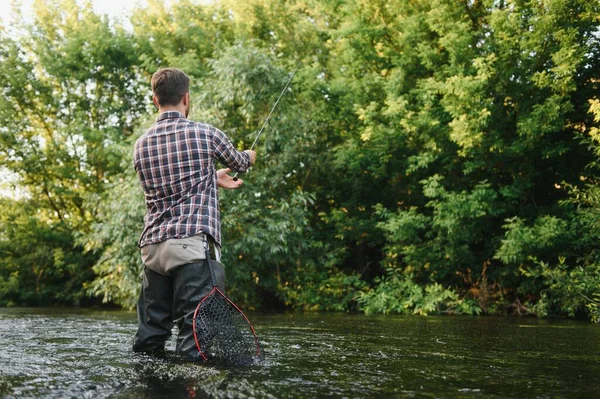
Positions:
{"x": 170, "y": 115}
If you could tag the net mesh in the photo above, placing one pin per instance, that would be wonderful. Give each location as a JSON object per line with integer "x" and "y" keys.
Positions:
{"x": 224, "y": 335}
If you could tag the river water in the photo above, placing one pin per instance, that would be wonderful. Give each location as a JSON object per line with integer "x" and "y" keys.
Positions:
{"x": 54, "y": 353}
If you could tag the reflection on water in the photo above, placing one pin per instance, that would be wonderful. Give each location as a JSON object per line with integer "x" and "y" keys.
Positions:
{"x": 65, "y": 353}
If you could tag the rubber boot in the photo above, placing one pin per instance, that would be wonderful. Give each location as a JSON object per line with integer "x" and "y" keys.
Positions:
{"x": 154, "y": 311}
{"x": 192, "y": 282}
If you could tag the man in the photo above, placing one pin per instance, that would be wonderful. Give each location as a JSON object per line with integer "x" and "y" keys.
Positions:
{"x": 175, "y": 161}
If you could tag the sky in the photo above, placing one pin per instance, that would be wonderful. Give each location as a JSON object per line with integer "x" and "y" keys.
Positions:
{"x": 114, "y": 8}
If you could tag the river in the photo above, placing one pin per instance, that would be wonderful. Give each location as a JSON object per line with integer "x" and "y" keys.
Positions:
{"x": 62, "y": 353}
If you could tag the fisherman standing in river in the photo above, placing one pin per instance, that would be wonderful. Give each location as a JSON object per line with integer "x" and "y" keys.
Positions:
{"x": 175, "y": 161}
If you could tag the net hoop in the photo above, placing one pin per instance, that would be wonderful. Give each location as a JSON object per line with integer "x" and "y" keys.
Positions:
{"x": 215, "y": 290}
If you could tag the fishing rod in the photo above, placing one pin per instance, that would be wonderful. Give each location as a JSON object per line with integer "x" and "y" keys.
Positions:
{"x": 235, "y": 177}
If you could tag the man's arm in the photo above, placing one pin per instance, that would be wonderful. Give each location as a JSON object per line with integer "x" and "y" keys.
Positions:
{"x": 228, "y": 155}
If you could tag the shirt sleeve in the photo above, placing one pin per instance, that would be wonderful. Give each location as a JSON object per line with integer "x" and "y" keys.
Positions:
{"x": 227, "y": 154}
{"x": 135, "y": 154}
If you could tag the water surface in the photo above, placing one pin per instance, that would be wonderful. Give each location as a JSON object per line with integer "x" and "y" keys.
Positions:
{"x": 54, "y": 353}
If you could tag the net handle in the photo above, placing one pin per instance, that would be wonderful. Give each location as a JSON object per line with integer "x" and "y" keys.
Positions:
{"x": 210, "y": 267}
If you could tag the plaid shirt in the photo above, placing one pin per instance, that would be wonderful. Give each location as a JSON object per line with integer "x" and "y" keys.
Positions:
{"x": 175, "y": 161}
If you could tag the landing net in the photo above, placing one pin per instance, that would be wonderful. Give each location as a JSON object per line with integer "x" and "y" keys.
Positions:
{"x": 223, "y": 334}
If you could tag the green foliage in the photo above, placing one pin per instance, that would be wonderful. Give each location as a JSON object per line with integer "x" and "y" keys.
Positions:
{"x": 417, "y": 164}
{"x": 118, "y": 269}
{"x": 565, "y": 289}
{"x": 522, "y": 241}
{"x": 402, "y": 295}
{"x": 437, "y": 244}
{"x": 331, "y": 291}
{"x": 41, "y": 263}
{"x": 570, "y": 286}
{"x": 72, "y": 92}
{"x": 486, "y": 133}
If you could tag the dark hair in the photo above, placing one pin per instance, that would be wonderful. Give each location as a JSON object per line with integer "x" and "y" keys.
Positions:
{"x": 169, "y": 85}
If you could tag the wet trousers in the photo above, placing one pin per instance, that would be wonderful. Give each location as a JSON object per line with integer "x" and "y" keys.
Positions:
{"x": 168, "y": 300}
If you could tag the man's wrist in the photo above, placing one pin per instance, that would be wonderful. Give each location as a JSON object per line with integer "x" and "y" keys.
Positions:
{"x": 252, "y": 155}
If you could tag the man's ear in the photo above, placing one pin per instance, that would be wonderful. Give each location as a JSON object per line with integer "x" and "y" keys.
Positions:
{"x": 155, "y": 101}
{"x": 186, "y": 99}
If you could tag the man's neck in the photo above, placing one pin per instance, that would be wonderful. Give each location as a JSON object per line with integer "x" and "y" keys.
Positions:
{"x": 180, "y": 109}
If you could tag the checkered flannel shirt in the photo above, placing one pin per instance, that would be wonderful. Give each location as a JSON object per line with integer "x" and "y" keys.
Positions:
{"x": 175, "y": 161}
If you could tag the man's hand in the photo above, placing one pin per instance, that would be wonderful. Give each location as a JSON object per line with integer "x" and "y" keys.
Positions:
{"x": 252, "y": 154}
{"x": 226, "y": 181}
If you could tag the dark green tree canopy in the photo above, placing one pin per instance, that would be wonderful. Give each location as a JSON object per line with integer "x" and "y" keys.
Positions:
{"x": 430, "y": 156}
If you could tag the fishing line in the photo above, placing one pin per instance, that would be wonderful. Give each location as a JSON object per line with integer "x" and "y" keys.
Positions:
{"x": 235, "y": 177}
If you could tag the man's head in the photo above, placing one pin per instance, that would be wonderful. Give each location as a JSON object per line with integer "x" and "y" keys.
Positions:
{"x": 171, "y": 87}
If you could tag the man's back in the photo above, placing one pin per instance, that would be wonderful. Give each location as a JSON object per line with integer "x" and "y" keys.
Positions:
{"x": 175, "y": 161}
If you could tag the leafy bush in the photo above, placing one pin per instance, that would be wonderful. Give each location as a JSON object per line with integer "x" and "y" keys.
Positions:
{"x": 566, "y": 289}
{"x": 41, "y": 262}
{"x": 113, "y": 239}
{"x": 402, "y": 295}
